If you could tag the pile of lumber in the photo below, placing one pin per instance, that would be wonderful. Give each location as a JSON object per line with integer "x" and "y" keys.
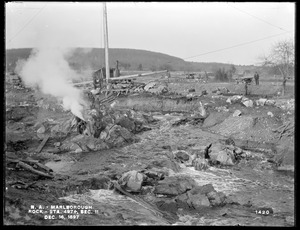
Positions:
{"x": 32, "y": 166}
{"x": 121, "y": 85}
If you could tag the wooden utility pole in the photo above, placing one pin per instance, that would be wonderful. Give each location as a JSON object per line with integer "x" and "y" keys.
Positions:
{"x": 106, "y": 46}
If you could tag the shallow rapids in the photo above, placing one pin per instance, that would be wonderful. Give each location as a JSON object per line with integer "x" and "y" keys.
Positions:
{"x": 252, "y": 184}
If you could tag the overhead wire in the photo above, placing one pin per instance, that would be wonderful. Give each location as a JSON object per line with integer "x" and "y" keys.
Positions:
{"x": 245, "y": 43}
{"x": 23, "y": 27}
{"x": 241, "y": 44}
{"x": 260, "y": 19}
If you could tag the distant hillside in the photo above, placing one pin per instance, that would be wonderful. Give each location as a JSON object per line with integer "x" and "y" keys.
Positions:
{"x": 13, "y": 55}
{"x": 129, "y": 59}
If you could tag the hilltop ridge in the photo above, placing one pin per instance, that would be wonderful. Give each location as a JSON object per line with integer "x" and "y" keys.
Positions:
{"x": 129, "y": 59}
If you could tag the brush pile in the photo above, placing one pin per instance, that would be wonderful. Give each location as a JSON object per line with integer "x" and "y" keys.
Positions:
{"x": 285, "y": 130}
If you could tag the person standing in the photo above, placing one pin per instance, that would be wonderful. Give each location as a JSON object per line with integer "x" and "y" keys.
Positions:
{"x": 116, "y": 70}
{"x": 256, "y": 77}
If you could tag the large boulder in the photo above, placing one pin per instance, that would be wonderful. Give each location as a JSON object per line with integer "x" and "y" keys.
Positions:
{"x": 204, "y": 189}
{"x": 219, "y": 155}
{"x": 261, "y": 101}
{"x": 174, "y": 185}
{"x": 158, "y": 173}
{"x": 63, "y": 127}
{"x": 200, "y": 164}
{"x": 216, "y": 198}
{"x": 117, "y": 136}
{"x": 234, "y": 125}
{"x": 89, "y": 143}
{"x": 198, "y": 201}
{"x": 165, "y": 163}
{"x": 201, "y": 151}
{"x": 127, "y": 123}
{"x": 214, "y": 118}
{"x": 222, "y": 157}
{"x": 237, "y": 113}
{"x": 196, "y": 198}
{"x": 140, "y": 120}
{"x": 234, "y": 99}
{"x": 181, "y": 155}
{"x": 167, "y": 205}
{"x": 248, "y": 103}
{"x": 183, "y": 201}
{"x": 155, "y": 173}
{"x": 132, "y": 181}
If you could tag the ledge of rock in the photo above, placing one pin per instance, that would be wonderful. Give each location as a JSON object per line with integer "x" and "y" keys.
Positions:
{"x": 174, "y": 185}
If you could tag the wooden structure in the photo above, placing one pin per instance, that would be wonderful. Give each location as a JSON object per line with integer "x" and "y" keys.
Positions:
{"x": 133, "y": 77}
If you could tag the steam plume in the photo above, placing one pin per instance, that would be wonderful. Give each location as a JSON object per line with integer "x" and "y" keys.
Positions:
{"x": 48, "y": 70}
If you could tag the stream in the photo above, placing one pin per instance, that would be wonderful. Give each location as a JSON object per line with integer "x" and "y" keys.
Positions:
{"x": 251, "y": 184}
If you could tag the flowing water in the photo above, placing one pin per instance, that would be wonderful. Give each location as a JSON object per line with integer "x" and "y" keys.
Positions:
{"x": 111, "y": 204}
{"x": 252, "y": 184}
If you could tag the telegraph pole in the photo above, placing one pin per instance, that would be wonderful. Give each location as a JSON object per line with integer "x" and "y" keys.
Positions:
{"x": 106, "y": 45}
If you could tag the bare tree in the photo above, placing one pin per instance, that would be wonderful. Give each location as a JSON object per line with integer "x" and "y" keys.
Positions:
{"x": 231, "y": 71}
{"x": 140, "y": 67}
{"x": 282, "y": 57}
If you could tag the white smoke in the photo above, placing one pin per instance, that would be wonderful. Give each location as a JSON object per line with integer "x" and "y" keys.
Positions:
{"x": 48, "y": 70}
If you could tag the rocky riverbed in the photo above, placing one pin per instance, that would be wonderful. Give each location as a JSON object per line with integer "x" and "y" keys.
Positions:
{"x": 200, "y": 163}
{"x": 172, "y": 184}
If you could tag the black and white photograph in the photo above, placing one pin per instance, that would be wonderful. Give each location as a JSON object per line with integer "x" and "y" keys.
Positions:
{"x": 149, "y": 114}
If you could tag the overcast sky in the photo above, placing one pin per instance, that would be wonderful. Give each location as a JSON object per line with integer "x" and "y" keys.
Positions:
{"x": 236, "y": 33}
